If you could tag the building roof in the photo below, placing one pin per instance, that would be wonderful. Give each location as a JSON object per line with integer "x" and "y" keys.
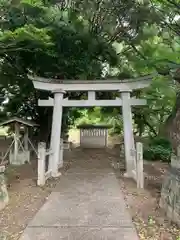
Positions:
{"x": 93, "y": 126}
{"x": 19, "y": 120}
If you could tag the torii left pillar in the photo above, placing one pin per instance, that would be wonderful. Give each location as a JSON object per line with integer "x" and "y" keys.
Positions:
{"x": 56, "y": 131}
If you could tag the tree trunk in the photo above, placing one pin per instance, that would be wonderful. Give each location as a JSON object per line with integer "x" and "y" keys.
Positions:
{"x": 172, "y": 126}
{"x": 45, "y": 122}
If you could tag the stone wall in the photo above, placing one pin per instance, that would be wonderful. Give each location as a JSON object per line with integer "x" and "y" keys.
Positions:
{"x": 4, "y": 198}
{"x": 170, "y": 195}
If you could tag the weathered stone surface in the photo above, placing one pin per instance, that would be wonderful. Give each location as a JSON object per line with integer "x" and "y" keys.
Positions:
{"x": 82, "y": 233}
{"x": 170, "y": 195}
{"x": 4, "y": 198}
{"x": 175, "y": 162}
{"x": 82, "y": 211}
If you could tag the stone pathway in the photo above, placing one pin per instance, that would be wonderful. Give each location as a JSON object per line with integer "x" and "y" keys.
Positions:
{"x": 87, "y": 204}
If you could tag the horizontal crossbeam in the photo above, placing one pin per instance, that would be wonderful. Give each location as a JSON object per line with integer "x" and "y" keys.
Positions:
{"x": 92, "y": 103}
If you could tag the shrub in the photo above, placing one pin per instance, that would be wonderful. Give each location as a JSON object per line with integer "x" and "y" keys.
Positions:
{"x": 158, "y": 149}
{"x": 159, "y": 141}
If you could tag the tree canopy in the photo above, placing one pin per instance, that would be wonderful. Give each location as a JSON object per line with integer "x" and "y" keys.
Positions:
{"x": 89, "y": 40}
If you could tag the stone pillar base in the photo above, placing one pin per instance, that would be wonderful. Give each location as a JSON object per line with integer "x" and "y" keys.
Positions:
{"x": 56, "y": 175}
{"x": 128, "y": 175}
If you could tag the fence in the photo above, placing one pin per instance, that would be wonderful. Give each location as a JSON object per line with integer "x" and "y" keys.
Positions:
{"x": 44, "y": 165}
{"x": 64, "y": 145}
{"x": 44, "y": 169}
{"x": 93, "y": 137}
{"x": 138, "y": 170}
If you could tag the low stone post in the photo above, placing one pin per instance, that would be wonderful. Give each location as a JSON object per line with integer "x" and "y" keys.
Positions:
{"x": 41, "y": 163}
{"x": 139, "y": 165}
{"x": 4, "y": 197}
{"x": 60, "y": 164}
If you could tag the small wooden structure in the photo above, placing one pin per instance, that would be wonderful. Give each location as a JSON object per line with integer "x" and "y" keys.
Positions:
{"x": 19, "y": 150}
{"x": 93, "y": 136}
{"x": 45, "y": 161}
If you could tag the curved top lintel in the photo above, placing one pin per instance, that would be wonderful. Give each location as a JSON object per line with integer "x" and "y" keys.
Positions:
{"x": 92, "y": 85}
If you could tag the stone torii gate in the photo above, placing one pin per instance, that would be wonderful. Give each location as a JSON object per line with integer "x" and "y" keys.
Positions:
{"x": 59, "y": 87}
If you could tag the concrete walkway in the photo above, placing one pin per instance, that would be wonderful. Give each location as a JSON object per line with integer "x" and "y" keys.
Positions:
{"x": 87, "y": 204}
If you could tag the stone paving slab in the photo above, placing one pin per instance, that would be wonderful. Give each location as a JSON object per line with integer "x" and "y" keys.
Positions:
{"x": 89, "y": 184}
{"x": 90, "y": 165}
{"x": 82, "y": 211}
{"x": 86, "y": 170}
{"x": 79, "y": 234}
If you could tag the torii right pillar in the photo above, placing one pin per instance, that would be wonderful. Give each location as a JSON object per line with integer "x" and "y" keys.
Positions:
{"x": 129, "y": 145}
{"x": 56, "y": 131}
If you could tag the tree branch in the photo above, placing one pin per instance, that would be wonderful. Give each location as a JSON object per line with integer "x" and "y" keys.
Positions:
{"x": 174, "y": 3}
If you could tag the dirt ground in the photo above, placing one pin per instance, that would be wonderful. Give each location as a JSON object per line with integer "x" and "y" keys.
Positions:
{"x": 149, "y": 219}
{"x": 26, "y": 199}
